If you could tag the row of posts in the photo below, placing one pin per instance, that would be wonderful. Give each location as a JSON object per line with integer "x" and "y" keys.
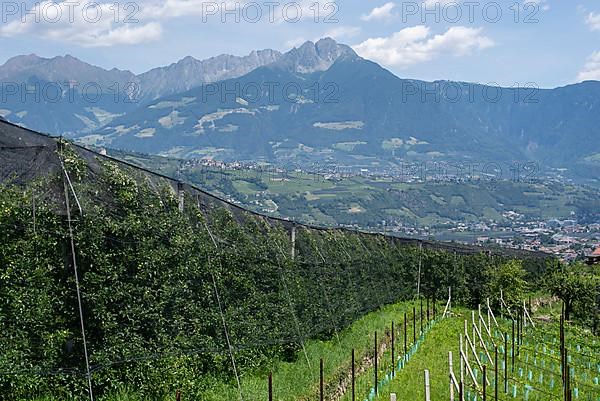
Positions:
{"x": 375, "y": 354}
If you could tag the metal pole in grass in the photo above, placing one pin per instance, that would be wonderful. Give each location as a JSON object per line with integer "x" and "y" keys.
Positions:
{"x": 405, "y": 335}
{"x": 461, "y": 391}
{"x": 414, "y": 325}
{"x": 393, "y": 352}
{"x": 353, "y": 377}
{"x": 421, "y": 316}
{"x": 484, "y": 382}
{"x": 505, "y": 363}
{"x": 512, "y": 354}
{"x": 321, "y": 395}
{"x": 375, "y": 363}
{"x": 427, "y": 310}
{"x": 270, "y": 386}
{"x": 567, "y": 374}
{"x": 496, "y": 373}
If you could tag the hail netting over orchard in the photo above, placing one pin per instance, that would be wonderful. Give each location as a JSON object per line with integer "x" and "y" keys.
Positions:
{"x": 111, "y": 274}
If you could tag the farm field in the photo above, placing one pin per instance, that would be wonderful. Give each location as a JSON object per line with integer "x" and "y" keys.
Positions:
{"x": 359, "y": 200}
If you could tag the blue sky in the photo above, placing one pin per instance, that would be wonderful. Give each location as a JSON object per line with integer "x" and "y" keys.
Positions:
{"x": 548, "y": 42}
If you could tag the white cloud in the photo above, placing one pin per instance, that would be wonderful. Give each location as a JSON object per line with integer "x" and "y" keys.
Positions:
{"x": 431, "y": 4}
{"x": 296, "y": 42}
{"x": 380, "y": 13}
{"x": 416, "y": 45}
{"x": 591, "y": 69}
{"x": 141, "y": 22}
{"x": 541, "y": 4}
{"x": 86, "y": 24}
{"x": 188, "y": 8}
{"x": 343, "y": 32}
{"x": 593, "y": 21}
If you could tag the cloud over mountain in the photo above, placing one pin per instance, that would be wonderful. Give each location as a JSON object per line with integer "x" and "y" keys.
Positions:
{"x": 416, "y": 45}
{"x": 87, "y": 24}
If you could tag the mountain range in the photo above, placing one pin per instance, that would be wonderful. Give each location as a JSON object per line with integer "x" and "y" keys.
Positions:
{"x": 64, "y": 95}
{"x": 315, "y": 105}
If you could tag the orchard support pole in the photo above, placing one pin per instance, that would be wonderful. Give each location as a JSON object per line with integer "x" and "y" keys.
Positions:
{"x": 270, "y": 386}
{"x": 375, "y": 358}
{"x": 451, "y": 376}
{"x": 321, "y": 390}
{"x": 414, "y": 325}
{"x": 405, "y": 338}
{"x": 427, "y": 386}
{"x": 512, "y": 353}
{"x": 496, "y": 373}
{"x": 393, "y": 352}
{"x": 505, "y": 363}
{"x": 421, "y": 316}
{"x": 484, "y": 379}
{"x": 353, "y": 377}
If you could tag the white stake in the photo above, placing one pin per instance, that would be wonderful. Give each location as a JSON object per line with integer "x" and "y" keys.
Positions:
{"x": 427, "y": 388}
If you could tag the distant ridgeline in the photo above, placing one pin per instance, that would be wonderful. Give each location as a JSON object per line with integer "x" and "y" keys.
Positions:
{"x": 174, "y": 281}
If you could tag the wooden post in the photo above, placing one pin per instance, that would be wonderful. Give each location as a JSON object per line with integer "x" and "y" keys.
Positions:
{"x": 178, "y": 396}
{"x": 270, "y": 386}
{"x": 375, "y": 355}
{"x": 427, "y": 387}
{"x": 353, "y": 377}
{"x": 321, "y": 390}
{"x": 393, "y": 352}
{"x": 427, "y": 310}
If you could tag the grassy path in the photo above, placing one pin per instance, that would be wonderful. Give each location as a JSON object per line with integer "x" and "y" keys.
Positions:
{"x": 433, "y": 355}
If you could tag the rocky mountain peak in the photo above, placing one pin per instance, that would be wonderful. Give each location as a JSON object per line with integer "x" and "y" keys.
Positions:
{"x": 312, "y": 57}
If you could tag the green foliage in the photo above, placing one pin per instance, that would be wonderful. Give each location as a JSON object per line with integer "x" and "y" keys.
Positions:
{"x": 510, "y": 279}
{"x": 74, "y": 164}
{"x": 578, "y": 286}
